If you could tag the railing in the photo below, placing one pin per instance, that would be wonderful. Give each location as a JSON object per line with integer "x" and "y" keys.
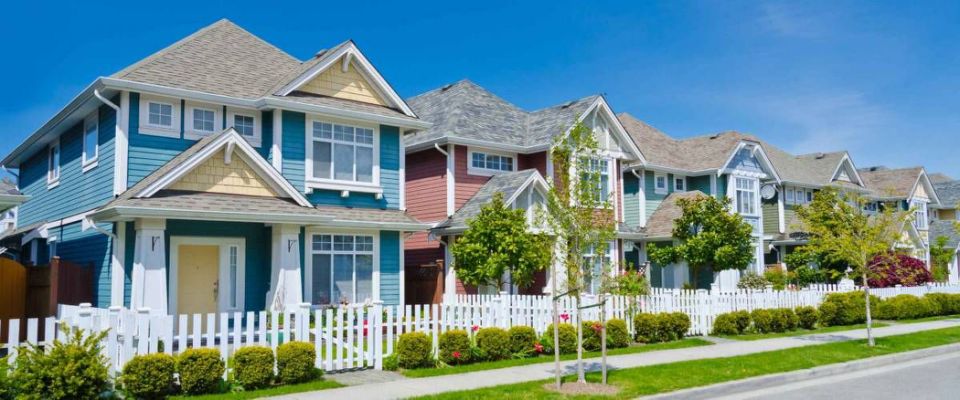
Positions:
{"x": 355, "y": 337}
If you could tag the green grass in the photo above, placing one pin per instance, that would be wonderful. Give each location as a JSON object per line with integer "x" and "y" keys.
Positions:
{"x": 273, "y": 391}
{"x": 662, "y": 378}
{"x": 426, "y": 372}
{"x": 801, "y": 332}
{"x": 927, "y": 319}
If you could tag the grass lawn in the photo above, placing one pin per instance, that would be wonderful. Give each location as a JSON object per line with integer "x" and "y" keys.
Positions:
{"x": 801, "y": 332}
{"x": 319, "y": 384}
{"x": 662, "y": 378}
{"x": 927, "y": 319}
{"x": 425, "y": 372}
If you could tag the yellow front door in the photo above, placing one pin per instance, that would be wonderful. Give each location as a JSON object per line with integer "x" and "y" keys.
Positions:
{"x": 198, "y": 270}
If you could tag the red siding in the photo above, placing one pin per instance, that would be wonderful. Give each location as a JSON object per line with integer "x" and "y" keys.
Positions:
{"x": 535, "y": 160}
{"x": 427, "y": 185}
{"x": 467, "y": 185}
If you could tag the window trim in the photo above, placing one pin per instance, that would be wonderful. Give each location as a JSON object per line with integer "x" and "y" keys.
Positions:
{"x": 471, "y": 170}
{"x": 257, "y": 139}
{"x": 311, "y": 182}
{"x": 756, "y": 195}
{"x": 681, "y": 179}
{"x": 921, "y": 208}
{"x": 189, "y": 132}
{"x": 146, "y": 128}
{"x": 54, "y": 168}
{"x": 87, "y": 162}
{"x": 666, "y": 183}
{"x": 592, "y": 254}
{"x": 309, "y": 253}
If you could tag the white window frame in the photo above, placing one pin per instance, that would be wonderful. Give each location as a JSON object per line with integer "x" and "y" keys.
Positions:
{"x": 683, "y": 179}
{"x": 471, "y": 170}
{"x": 788, "y": 191}
{"x": 189, "y": 132}
{"x": 54, "y": 165}
{"x": 312, "y": 182}
{"x": 308, "y": 260}
{"x": 589, "y": 253}
{"x": 756, "y": 195}
{"x": 172, "y": 131}
{"x": 921, "y": 214}
{"x": 656, "y": 180}
{"x": 257, "y": 139}
{"x": 91, "y": 121}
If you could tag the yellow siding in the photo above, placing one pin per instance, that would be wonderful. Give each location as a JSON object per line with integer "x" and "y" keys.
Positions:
{"x": 948, "y": 214}
{"x": 921, "y": 192}
{"x": 214, "y": 176}
{"x": 348, "y": 85}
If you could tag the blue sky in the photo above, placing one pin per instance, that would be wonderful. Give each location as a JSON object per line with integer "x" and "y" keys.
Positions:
{"x": 879, "y": 79}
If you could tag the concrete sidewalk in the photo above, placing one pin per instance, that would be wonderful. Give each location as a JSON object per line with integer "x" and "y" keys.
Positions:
{"x": 413, "y": 387}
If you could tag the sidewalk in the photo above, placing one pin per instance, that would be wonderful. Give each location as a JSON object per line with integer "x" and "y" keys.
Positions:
{"x": 474, "y": 380}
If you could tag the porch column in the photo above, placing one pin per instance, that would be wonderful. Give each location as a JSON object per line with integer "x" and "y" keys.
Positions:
{"x": 449, "y": 276}
{"x": 150, "y": 266}
{"x": 286, "y": 284}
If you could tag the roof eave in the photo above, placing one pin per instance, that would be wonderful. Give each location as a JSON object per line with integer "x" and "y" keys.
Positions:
{"x": 125, "y": 213}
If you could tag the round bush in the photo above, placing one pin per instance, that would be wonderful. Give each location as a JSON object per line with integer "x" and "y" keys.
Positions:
{"x": 617, "y": 334}
{"x": 567, "y": 339}
{"x": 295, "y": 362}
{"x": 646, "y": 328}
{"x": 253, "y": 367}
{"x": 149, "y": 376}
{"x": 591, "y": 335}
{"x": 523, "y": 340}
{"x": 846, "y": 308}
{"x": 201, "y": 371}
{"x": 949, "y": 303}
{"x": 763, "y": 321}
{"x": 414, "y": 350}
{"x": 454, "y": 347}
{"x": 807, "y": 317}
{"x": 677, "y": 324}
{"x": 494, "y": 343}
{"x": 784, "y": 319}
{"x": 742, "y": 319}
{"x": 725, "y": 324}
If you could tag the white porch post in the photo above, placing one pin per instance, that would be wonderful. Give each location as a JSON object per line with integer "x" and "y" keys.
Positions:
{"x": 450, "y": 275}
{"x": 117, "y": 264}
{"x": 285, "y": 268}
{"x": 150, "y": 266}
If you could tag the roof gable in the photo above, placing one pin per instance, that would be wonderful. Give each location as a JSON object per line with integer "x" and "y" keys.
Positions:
{"x": 221, "y": 173}
{"x": 511, "y": 185}
{"x": 346, "y": 58}
{"x": 749, "y": 157}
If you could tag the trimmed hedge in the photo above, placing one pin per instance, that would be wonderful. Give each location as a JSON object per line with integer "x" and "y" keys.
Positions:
{"x": 617, "y": 334}
{"x": 949, "y": 303}
{"x": 148, "y": 376}
{"x": 295, "y": 362}
{"x": 523, "y": 340}
{"x": 253, "y": 367}
{"x": 663, "y": 327}
{"x": 455, "y": 347}
{"x": 905, "y": 306}
{"x": 494, "y": 343}
{"x": 201, "y": 371}
{"x": 414, "y": 350}
{"x": 763, "y": 321}
{"x": 726, "y": 324}
{"x": 846, "y": 308}
{"x": 807, "y": 316}
{"x": 567, "y": 339}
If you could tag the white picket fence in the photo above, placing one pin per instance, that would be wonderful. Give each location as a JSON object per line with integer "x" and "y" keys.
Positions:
{"x": 357, "y": 337}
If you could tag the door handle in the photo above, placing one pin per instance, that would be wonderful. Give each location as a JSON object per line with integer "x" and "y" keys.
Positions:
{"x": 216, "y": 290}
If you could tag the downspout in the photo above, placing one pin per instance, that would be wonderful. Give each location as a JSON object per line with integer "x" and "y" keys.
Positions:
{"x": 441, "y": 150}
{"x": 96, "y": 92}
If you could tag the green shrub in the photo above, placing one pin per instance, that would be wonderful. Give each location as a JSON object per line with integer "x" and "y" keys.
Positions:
{"x": 149, "y": 376}
{"x": 784, "y": 320}
{"x": 807, "y": 316}
{"x": 70, "y": 369}
{"x": 663, "y": 327}
{"x": 646, "y": 328}
{"x": 295, "y": 362}
{"x": 253, "y": 367}
{"x": 391, "y": 362}
{"x": 414, "y": 350}
{"x": 726, "y": 324}
{"x": 828, "y": 313}
{"x": 201, "y": 371}
{"x": 567, "y": 339}
{"x": 949, "y": 303}
{"x": 777, "y": 277}
{"x": 617, "y": 334}
{"x": 763, "y": 321}
{"x": 523, "y": 339}
{"x": 847, "y": 308}
{"x": 494, "y": 343}
{"x": 676, "y": 325}
{"x": 6, "y": 392}
{"x": 906, "y": 306}
{"x": 742, "y": 319}
{"x": 591, "y": 335}
{"x": 455, "y": 347}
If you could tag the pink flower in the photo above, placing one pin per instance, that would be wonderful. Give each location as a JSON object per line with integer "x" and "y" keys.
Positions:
{"x": 597, "y": 327}
{"x": 456, "y": 355}
{"x": 475, "y": 328}
{"x": 565, "y": 317}
{"x": 537, "y": 347}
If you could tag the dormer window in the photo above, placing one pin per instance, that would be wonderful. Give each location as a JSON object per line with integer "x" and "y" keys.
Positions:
{"x": 161, "y": 115}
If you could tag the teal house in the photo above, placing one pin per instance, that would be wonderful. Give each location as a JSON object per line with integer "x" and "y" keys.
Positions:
{"x": 222, "y": 174}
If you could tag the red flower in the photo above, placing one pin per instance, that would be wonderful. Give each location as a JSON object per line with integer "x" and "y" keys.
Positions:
{"x": 597, "y": 327}
{"x": 537, "y": 347}
{"x": 475, "y": 328}
{"x": 456, "y": 355}
{"x": 565, "y": 317}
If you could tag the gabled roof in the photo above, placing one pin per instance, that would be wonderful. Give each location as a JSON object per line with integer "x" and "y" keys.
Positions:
{"x": 465, "y": 113}
{"x": 660, "y": 223}
{"x": 945, "y": 228}
{"x": 949, "y": 193}
{"x": 509, "y": 184}
{"x": 939, "y": 177}
{"x": 897, "y": 184}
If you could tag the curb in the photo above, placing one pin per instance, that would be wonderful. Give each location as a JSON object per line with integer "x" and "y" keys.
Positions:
{"x": 768, "y": 381}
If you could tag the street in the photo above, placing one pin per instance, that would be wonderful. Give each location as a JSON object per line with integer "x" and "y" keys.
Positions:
{"x": 929, "y": 378}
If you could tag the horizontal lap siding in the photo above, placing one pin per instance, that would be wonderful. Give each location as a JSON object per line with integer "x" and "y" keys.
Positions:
{"x": 89, "y": 249}
{"x": 426, "y": 201}
{"x": 653, "y": 198}
{"x": 631, "y": 200}
{"x": 78, "y": 191}
{"x": 771, "y": 218}
{"x": 537, "y": 161}
{"x": 292, "y": 147}
{"x": 390, "y": 267}
{"x": 701, "y": 183}
{"x": 466, "y": 185}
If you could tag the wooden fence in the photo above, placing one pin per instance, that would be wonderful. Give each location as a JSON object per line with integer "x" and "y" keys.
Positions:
{"x": 355, "y": 337}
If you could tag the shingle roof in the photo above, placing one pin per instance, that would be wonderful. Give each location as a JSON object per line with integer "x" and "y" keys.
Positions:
{"x": 949, "y": 193}
{"x": 8, "y": 187}
{"x": 660, "y": 223}
{"x": 945, "y": 228}
{"x": 466, "y": 110}
{"x": 939, "y": 177}
{"x": 698, "y": 153}
{"x": 508, "y": 184}
{"x": 890, "y": 183}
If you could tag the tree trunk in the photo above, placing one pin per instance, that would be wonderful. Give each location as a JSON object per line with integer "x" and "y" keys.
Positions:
{"x": 581, "y": 378}
{"x": 866, "y": 292}
{"x": 556, "y": 325}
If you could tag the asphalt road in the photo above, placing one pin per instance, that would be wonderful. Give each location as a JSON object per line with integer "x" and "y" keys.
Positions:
{"x": 929, "y": 378}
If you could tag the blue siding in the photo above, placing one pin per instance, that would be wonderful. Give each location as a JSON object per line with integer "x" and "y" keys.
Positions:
{"x": 89, "y": 249}
{"x": 745, "y": 161}
{"x": 78, "y": 191}
{"x": 390, "y": 267}
{"x": 294, "y": 152}
{"x": 653, "y": 198}
{"x": 701, "y": 183}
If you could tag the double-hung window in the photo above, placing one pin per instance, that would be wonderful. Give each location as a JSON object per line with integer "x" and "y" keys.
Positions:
{"x": 920, "y": 214}
{"x": 342, "y": 152}
{"x": 598, "y": 170}
{"x": 53, "y": 164}
{"x": 481, "y": 162}
{"x": 91, "y": 145}
{"x": 342, "y": 269}
{"x": 746, "y": 191}
{"x": 594, "y": 264}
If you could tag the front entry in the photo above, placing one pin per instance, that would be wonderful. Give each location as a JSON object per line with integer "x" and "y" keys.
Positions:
{"x": 198, "y": 279}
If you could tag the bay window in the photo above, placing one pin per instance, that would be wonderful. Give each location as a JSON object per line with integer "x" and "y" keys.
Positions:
{"x": 746, "y": 193}
{"x": 341, "y": 269}
{"x": 342, "y": 153}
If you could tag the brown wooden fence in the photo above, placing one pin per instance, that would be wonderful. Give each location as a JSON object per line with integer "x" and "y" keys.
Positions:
{"x": 35, "y": 292}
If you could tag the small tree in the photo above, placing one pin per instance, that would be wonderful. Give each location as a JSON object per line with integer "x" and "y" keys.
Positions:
{"x": 580, "y": 216}
{"x": 710, "y": 237}
{"x": 940, "y": 257}
{"x": 841, "y": 230}
{"x": 498, "y": 243}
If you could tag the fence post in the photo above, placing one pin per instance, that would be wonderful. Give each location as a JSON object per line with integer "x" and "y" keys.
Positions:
{"x": 84, "y": 316}
{"x": 303, "y": 322}
{"x": 112, "y": 335}
{"x": 377, "y": 330}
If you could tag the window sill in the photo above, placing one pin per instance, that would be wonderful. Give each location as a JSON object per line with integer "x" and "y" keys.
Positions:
{"x": 157, "y": 131}
{"x": 90, "y": 164}
{"x": 660, "y": 191}
{"x": 344, "y": 186}
{"x": 196, "y": 135}
{"x": 485, "y": 172}
{"x": 53, "y": 184}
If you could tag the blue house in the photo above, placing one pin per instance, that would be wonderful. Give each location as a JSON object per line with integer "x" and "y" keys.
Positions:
{"x": 222, "y": 174}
